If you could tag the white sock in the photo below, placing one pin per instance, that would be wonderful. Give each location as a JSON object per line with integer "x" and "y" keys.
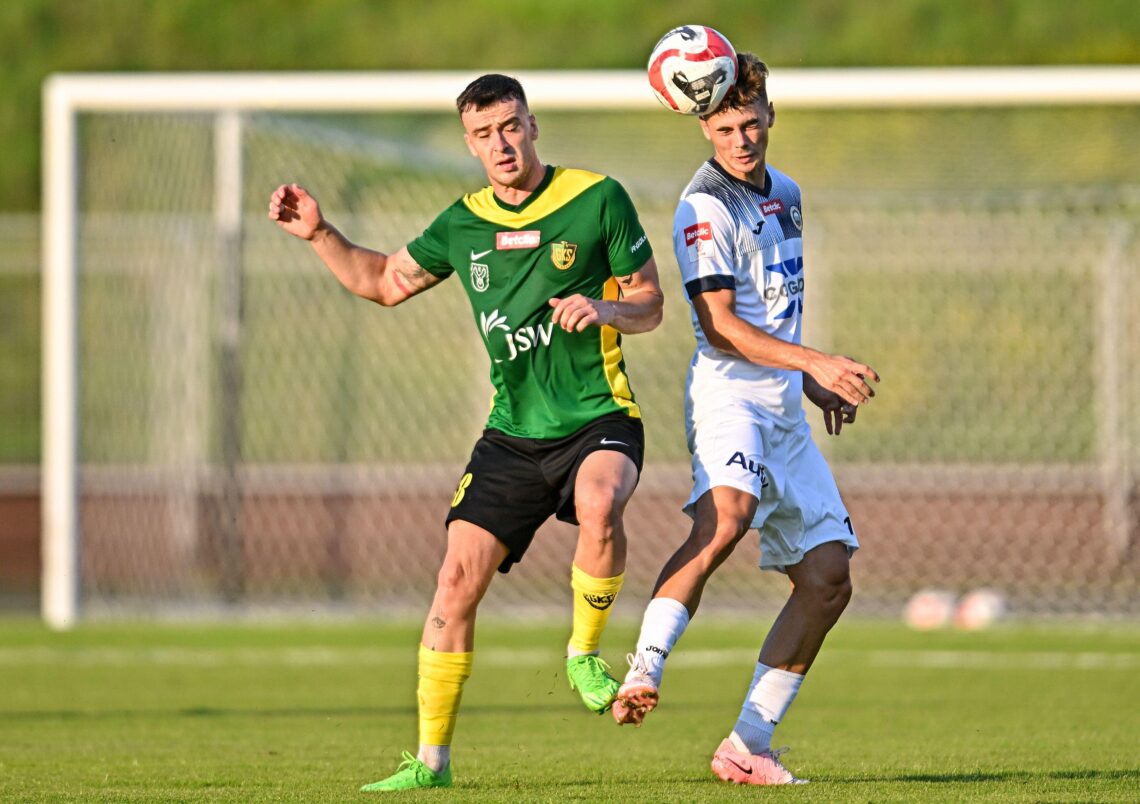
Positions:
{"x": 771, "y": 693}
{"x": 664, "y": 622}
{"x": 436, "y": 757}
{"x": 572, "y": 651}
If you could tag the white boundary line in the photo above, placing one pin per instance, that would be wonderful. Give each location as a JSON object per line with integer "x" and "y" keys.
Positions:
{"x": 321, "y": 656}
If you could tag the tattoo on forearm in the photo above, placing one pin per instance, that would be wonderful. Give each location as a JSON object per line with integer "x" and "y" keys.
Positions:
{"x": 400, "y": 283}
{"x": 410, "y": 278}
{"x": 438, "y": 622}
{"x": 417, "y": 276}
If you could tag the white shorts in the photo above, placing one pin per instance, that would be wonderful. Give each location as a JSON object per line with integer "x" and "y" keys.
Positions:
{"x": 734, "y": 444}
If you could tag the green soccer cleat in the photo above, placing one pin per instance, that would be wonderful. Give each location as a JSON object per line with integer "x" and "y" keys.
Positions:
{"x": 411, "y": 775}
{"x": 588, "y": 674}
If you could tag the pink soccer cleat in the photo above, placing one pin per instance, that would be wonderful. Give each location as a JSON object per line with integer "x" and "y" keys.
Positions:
{"x": 637, "y": 696}
{"x": 738, "y": 767}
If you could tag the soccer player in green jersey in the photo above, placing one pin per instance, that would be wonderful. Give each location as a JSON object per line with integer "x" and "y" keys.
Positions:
{"x": 556, "y": 266}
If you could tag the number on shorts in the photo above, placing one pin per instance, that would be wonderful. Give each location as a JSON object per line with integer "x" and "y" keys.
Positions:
{"x": 464, "y": 482}
{"x": 847, "y": 522}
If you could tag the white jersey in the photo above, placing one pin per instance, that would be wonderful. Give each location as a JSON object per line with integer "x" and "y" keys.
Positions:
{"x": 728, "y": 233}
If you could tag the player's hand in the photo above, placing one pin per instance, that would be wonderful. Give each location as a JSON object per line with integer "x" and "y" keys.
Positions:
{"x": 836, "y": 411}
{"x": 843, "y": 376}
{"x": 295, "y": 211}
{"x": 575, "y": 313}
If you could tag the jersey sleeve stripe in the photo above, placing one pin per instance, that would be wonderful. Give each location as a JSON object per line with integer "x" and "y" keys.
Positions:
{"x": 703, "y": 284}
{"x": 612, "y": 359}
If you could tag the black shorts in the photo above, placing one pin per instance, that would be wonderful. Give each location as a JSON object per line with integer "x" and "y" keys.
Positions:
{"x": 512, "y": 485}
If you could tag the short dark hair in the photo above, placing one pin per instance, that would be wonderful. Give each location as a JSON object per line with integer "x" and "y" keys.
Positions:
{"x": 489, "y": 89}
{"x": 751, "y": 85}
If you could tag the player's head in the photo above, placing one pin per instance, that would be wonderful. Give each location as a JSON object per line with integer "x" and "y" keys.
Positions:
{"x": 738, "y": 128}
{"x": 500, "y": 130}
{"x": 751, "y": 85}
{"x": 489, "y": 89}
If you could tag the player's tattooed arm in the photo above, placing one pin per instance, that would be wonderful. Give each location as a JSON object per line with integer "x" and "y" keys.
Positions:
{"x": 384, "y": 279}
{"x": 389, "y": 279}
{"x": 638, "y": 309}
{"x": 641, "y": 304}
{"x": 404, "y": 278}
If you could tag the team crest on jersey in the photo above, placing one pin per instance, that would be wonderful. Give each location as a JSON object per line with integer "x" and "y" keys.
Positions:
{"x": 480, "y": 276}
{"x": 562, "y": 254}
{"x": 797, "y": 219}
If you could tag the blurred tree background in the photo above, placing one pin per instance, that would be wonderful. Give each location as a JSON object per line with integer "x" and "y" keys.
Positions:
{"x": 887, "y": 150}
{"x": 39, "y": 37}
{"x": 983, "y": 260}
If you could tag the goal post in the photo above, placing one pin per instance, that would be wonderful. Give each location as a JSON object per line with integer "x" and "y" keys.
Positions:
{"x": 229, "y": 99}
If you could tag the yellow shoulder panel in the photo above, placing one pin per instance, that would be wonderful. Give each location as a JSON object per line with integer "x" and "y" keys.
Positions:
{"x": 567, "y": 184}
{"x": 612, "y": 357}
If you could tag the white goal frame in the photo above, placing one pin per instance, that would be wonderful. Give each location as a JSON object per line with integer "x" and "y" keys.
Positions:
{"x": 65, "y": 96}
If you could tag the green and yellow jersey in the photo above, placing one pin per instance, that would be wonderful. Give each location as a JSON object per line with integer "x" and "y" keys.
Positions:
{"x": 574, "y": 234}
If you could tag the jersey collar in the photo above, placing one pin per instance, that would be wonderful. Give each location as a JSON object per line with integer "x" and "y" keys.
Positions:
{"x": 767, "y": 191}
{"x": 526, "y": 202}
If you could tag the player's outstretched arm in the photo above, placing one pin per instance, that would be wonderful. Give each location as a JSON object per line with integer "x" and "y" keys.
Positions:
{"x": 716, "y": 310}
{"x": 638, "y": 310}
{"x": 384, "y": 279}
{"x": 841, "y": 375}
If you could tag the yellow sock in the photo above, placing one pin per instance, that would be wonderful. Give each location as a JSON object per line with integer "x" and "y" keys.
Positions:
{"x": 440, "y": 688}
{"x": 593, "y": 600}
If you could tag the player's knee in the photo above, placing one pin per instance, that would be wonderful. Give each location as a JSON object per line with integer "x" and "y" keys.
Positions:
{"x": 599, "y": 512}
{"x": 456, "y": 584}
{"x": 828, "y": 593}
{"x": 837, "y": 596}
{"x": 717, "y": 537}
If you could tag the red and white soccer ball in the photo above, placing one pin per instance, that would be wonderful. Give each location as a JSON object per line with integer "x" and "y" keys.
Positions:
{"x": 691, "y": 69}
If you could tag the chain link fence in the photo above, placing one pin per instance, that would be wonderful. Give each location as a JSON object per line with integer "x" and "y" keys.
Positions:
{"x": 254, "y": 437}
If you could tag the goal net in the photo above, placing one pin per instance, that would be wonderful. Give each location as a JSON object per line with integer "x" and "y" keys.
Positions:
{"x": 228, "y": 430}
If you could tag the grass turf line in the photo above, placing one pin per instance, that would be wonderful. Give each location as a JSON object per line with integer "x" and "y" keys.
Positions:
{"x": 307, "y": 713}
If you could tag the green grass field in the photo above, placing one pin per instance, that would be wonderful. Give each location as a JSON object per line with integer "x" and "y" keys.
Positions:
{"x": 308, "y": 713}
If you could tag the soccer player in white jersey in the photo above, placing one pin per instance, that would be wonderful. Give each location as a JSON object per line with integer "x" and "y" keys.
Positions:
{"x": 737, "y": 235}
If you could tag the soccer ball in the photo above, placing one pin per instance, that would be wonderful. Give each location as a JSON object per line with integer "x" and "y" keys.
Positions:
{"x": 929, "y": 609}
{"x": 979, "y": 609}
{"x": 691, "y": 69}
